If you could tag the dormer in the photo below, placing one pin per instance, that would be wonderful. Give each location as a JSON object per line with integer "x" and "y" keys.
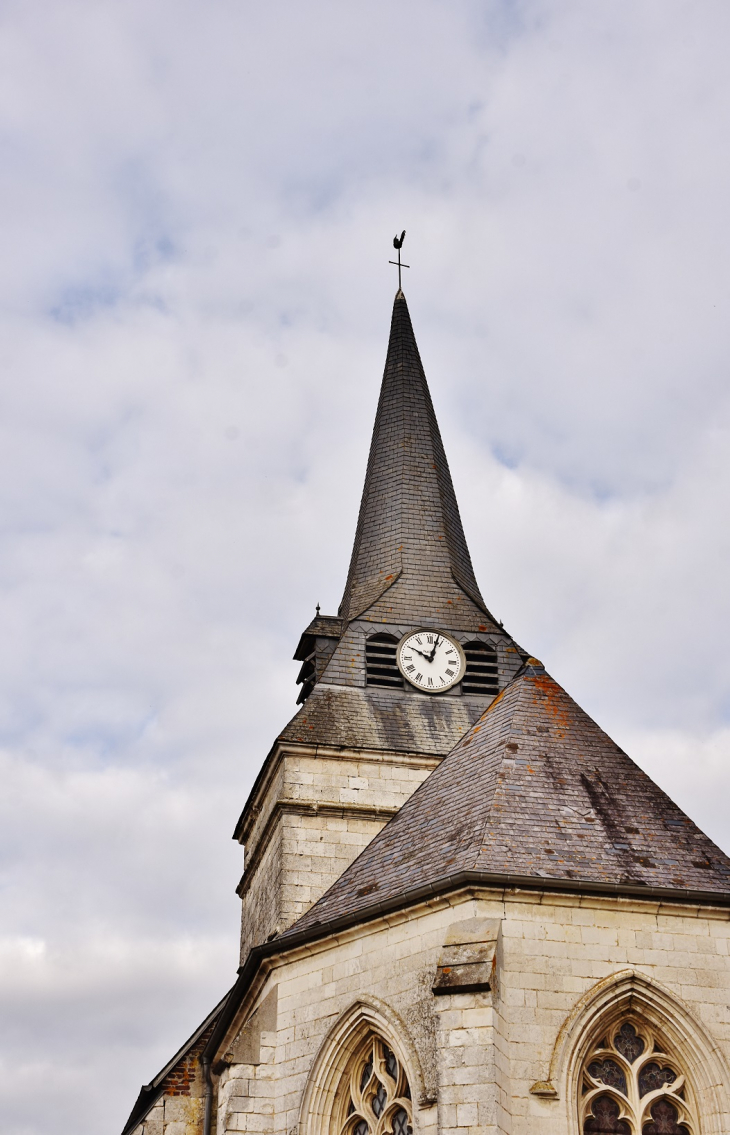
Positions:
{"x": 314, "y": 651}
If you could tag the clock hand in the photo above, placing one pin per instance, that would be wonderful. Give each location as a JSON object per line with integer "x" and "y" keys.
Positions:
{"x": 433, "y": 652}
{"x": 417, "y": 651}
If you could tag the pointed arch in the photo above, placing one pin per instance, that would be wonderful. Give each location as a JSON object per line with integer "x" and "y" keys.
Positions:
{"x": 629, "y": 993}
{"x": 349, "y": 1034}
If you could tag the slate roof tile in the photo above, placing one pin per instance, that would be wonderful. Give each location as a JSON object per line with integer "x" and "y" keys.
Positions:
{"x": 535, "y": 788}
{"x": 409, "y": 529}
{"x": 355, "y": 717}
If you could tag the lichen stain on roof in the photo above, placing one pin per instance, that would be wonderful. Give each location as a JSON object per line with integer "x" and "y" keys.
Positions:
{"x": 370, "y": 718}
{"x": 535, "y": 788}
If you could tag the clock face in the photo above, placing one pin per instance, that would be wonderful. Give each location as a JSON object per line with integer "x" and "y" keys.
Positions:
{"x": 430, "y": 660}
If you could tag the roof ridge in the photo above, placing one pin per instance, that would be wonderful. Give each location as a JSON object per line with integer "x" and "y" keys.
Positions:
{"x": 574, "y": 808}
{"x": 499, "y": 703}
{"x": 150, "y": 1093}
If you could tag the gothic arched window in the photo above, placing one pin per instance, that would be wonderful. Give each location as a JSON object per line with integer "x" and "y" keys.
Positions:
{"x": 376, "y": 1097}
{"x": 631, "y": 1085}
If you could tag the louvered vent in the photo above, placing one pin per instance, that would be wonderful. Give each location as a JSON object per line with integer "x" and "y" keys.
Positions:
{"x": 380, "y": 664}
{"x": 481, "y": 676}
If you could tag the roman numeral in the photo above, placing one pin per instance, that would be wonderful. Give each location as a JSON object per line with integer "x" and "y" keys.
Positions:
{"x": 450, "y": 673}
{"x": 430, "y": 681}
{"x": 410, "y": 669}
{"x": 419, "y": 677}
{"x": 407, "y": 657}
{"x": 419, "y": 640}
{"x": 449, "y": 651}
{"x": 429, "y": 638}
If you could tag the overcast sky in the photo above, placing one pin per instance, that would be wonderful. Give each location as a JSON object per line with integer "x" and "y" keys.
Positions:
{"x": 198, "y": 204}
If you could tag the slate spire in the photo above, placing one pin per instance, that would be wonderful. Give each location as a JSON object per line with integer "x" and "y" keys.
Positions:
{"x": 409, "y": 530}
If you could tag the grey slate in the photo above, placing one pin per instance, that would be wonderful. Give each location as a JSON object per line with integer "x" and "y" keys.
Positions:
{"x": 367, "y": 717}
{"x": 321, "y": 626}
{"x": 409, "y": 529}
{"x": 535, "y": 789}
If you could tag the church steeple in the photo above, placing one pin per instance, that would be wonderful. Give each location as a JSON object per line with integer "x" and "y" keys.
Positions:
{"x": 366, "y": 733}
{"x": 413, "y": 854}
{"x": 409, "y": 534}
{"x": 410, "y": 566}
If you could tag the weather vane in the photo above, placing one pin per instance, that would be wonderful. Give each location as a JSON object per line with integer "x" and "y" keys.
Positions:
{"x": 398, "y": 243}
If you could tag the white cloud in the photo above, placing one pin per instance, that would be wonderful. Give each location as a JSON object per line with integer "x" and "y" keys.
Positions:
{"x": 197, "y": 207}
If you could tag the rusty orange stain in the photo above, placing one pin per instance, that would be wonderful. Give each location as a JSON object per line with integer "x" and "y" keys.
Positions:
{"x": 498, "y": 698}
{"x": 553, "y": 702}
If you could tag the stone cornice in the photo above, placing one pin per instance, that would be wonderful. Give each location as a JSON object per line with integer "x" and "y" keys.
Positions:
{"x": 306, "y": 808}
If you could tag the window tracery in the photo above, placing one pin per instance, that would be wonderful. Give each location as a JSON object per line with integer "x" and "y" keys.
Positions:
{"x": 631, "y": 1085}
{"x": 378, "y": 1093}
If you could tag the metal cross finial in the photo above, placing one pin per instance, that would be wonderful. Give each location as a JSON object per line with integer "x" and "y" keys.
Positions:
{"x": 398, "y": 243}
{"x": 318, "y": 609}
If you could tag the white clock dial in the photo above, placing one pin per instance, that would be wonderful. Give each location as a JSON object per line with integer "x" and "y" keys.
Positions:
{"x": 430, "y": 660}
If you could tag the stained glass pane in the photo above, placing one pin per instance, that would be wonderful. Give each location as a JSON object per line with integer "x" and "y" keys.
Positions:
{"x": 609, "y": 1073}
{"x": 400, "y": 1122}
{"x": 664, "y": 1120}
{"x": 366, "y": 1074}
{"x": 628, "y": 1043}
{"x": 379, "y": 1100}
{"x": 616, "y": 1110}
{"x": 605, "y": 1119}
{"x": 391, "y": 1064}
{"x": 652, "y": 1076}
{"x": 370, "y": 1101}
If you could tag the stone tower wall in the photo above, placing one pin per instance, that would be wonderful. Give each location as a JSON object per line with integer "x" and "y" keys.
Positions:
{"x": 312, "y": 816}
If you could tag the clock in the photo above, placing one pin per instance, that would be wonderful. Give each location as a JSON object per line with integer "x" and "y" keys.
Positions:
{"x": 430, "y": 660}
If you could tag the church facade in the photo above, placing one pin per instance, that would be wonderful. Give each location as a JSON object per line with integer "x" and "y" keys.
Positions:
{"x": 465, "y": 910}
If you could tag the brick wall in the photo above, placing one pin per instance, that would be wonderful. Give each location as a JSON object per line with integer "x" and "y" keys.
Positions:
{"x": 179, "y": 1110}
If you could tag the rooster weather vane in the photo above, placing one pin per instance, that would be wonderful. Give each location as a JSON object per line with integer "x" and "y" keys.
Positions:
{"x": 398, "y": 244}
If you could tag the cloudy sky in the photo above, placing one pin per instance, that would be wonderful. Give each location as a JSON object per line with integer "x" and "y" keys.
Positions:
{"x": 198, "y": 201}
